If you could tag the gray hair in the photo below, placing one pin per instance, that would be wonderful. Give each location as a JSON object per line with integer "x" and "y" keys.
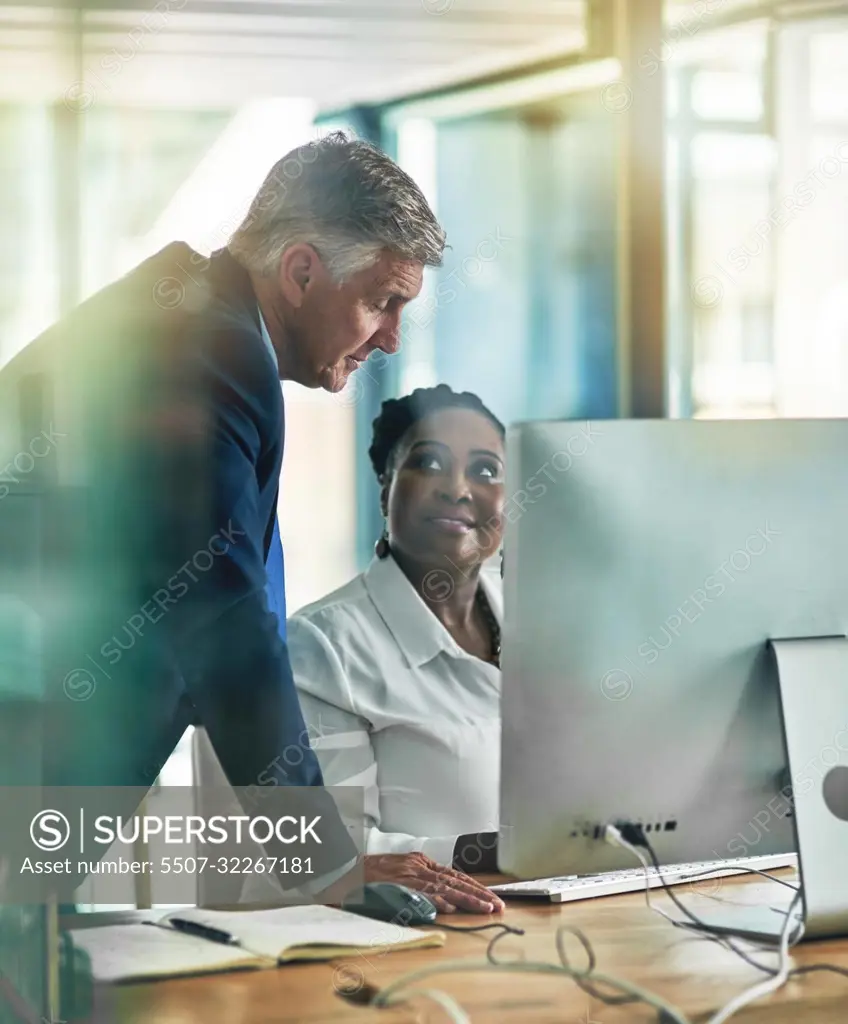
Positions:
{"x": 346, "y": 199}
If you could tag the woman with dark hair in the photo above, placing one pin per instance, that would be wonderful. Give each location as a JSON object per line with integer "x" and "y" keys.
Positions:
{"x": 398, "y": 671}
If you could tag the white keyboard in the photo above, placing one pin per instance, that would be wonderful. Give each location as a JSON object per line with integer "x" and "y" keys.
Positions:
{"x": 611, "y": 883}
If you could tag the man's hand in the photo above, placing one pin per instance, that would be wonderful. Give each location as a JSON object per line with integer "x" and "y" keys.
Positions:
{"x": 450, "y": 890}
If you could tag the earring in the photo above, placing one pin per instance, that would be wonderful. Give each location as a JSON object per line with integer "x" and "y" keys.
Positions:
{"x": 502, "y": 563}
{"x": 381, "y": 548}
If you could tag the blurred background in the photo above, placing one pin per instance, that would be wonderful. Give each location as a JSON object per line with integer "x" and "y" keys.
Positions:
{"x": 645, "y": 201}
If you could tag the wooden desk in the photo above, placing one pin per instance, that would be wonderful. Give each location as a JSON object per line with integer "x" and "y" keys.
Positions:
{"x": 692, "y": 973}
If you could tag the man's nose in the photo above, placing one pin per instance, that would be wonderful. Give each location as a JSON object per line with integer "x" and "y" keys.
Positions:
{"x": 388, "y": 337}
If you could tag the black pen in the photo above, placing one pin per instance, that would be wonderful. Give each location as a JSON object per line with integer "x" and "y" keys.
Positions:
{"x": 203, "y": 931}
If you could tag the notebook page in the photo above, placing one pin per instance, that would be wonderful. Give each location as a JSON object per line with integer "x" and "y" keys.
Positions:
{"x": 123, "y": 952}
{"x": 273, "y": 932}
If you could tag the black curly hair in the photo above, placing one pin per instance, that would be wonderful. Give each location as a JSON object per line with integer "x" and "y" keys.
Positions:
{"x": 397, "y": 415}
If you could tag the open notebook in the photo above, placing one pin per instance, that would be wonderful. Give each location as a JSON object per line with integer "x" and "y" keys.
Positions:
{"x": 266, "y": 938}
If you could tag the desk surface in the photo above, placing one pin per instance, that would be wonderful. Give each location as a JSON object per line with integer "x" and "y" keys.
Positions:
{"x": 694, "y": 974}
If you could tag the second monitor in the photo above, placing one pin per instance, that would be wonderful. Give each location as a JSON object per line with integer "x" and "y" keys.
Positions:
{"x": 650, "y": 565}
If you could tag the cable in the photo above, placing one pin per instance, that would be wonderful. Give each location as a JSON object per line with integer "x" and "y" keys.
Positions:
{"x": 764, "y": 988}
{"x": 388, "y": 994}
{"x": 737, "y": 872}
{"x": 447, "y": 1003}
{"x": 505, "y": 929}
{"x": 616, "y": 836}
{"x": 613, "y": 835}
{"x": 490, "y": 954}
{"x": 780, "y": 974}
{"x": 778, "y": 977}
{"x": 589, "y": 978}
{"x": 809, "y": 968}
{"x": 636, "y": 838}
{"x": 588, "y": 987}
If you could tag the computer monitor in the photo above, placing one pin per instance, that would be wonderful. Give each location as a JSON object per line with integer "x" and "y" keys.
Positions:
{"x": 650, "y": 568}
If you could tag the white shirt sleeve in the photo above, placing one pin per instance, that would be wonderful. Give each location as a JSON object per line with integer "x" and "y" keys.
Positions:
{"x": 341, "y": 739}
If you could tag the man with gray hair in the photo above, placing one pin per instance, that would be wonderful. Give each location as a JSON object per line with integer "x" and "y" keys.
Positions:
{"x": 166, "y": 385}
{"x": 335, "y": 244}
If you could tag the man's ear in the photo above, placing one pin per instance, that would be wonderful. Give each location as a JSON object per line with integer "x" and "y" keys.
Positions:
{"x": 300, "y": 265}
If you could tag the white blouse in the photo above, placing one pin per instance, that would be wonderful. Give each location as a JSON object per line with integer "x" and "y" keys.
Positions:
{"x": 393, "y": 704}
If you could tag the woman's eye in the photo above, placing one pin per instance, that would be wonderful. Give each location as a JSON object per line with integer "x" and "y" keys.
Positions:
{"x": 488, "y": 470}
{"x": 430, "y": 462}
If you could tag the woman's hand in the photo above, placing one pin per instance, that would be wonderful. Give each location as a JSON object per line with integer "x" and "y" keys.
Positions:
{"x": 449, "y": 890}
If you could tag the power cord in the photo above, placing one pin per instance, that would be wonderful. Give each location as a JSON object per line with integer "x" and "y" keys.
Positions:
{"x": 639, "y": 835}
{"x": 632, "y": 836}
{"x": 633, "y": 839}
{"x": 395, "y": 992}
{"x": 505, "y": 929}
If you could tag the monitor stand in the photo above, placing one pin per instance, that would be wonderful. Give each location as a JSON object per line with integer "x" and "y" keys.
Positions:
{"x": 813, "y": 684}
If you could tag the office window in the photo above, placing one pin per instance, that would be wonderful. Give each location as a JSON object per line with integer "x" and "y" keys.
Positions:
{"x": 417, "y": 148}
{"x": 318, "y": 493}
{"x": 732, "y": 268}
{"x": 523, "y": 311}
{"x": 811, "y": 296}
{"x": 135, "y": 164}
{"x": 828, "y": 75}
{"x": 728, "y": 95}
{"x": 28, "y": 282}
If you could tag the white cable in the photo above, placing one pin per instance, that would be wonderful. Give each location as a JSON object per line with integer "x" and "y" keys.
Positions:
{"x": 763, "y": 988}
{"x": 615, "y": 838}
{"x": 672, "y": 1014}
{"x": 393, "y": 993}
{"x": 451, "y": 1007}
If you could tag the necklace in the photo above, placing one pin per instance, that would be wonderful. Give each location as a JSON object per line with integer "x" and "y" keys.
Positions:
{"x": 492, "y": 624}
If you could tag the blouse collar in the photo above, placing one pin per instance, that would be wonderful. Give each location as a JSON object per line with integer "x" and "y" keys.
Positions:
{"x": 416, "y": 630}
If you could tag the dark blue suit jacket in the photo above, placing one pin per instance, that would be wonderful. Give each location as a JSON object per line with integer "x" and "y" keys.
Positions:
{"x": 173, "y": 411}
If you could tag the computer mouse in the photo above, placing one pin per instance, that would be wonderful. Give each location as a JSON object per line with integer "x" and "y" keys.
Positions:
{"x": 387, "y": 901}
